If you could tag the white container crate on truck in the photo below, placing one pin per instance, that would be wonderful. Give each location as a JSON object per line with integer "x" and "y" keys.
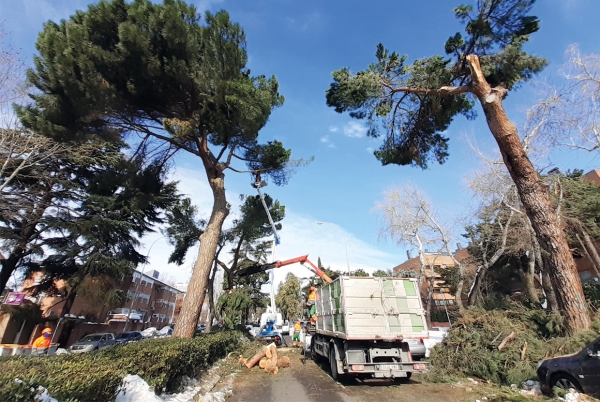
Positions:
{"x": 363, "y": 323}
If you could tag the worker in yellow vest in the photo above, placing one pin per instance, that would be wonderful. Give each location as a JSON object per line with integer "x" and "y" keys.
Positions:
{"x": 312, "y": 296}
{"x": 296, "y": 338}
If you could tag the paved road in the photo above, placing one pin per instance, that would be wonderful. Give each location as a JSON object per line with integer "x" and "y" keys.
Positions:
{"x": 312, "y": 383}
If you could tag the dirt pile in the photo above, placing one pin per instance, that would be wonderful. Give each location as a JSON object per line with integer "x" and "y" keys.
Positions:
{"x": 503, "y": 346}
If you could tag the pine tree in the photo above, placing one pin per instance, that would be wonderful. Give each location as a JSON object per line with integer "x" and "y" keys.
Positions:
{"x": 417, "y": 102}
{"x": 97, "y": 241}
{"x": 124, "y": 68}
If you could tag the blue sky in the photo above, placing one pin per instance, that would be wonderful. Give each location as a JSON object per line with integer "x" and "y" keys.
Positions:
{"x": 301, "y": 43}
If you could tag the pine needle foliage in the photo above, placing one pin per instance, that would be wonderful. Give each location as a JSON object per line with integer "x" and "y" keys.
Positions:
{"x": 471, "y": 347}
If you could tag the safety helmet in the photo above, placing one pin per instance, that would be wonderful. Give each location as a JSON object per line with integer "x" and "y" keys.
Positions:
{"x": 47, "y": 331}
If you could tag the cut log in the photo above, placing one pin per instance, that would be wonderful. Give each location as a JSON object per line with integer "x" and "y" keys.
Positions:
{"x": 242, "y": 360}
{"x": 251, "y": 362}
{"x": 263, "y": 362}
{"x": 283, "y": 361}
{"x": 506, "y": 340}
{"x": 271, "y": 367}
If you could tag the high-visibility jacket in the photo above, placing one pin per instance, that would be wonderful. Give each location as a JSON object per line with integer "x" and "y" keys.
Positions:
{"x": 41, "y": 343}
{"x": 297, "y": 327}
{"x": 312, "y": 295}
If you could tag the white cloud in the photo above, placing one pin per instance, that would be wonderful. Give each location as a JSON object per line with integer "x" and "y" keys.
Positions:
{"x": 301, "y": 235}
{"x": 370, "y": 150}
{"x": 333, "y": 129}
{"x": 326, "y": 140}
{"x": 354, "y": 129}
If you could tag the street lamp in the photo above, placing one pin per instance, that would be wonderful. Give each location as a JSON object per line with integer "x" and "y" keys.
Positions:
{"x": 345, "y": 244}
{"x": 137, "y": 286}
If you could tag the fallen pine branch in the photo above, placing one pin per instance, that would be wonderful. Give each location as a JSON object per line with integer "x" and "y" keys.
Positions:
{"x": 506, "y": 340}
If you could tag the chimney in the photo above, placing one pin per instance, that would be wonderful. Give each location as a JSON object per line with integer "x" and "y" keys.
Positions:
{"x": 409, "y": 254}
{"x": 458, "y": 246}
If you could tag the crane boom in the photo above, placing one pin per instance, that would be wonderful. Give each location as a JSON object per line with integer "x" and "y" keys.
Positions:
{"x": 254, "y": 269}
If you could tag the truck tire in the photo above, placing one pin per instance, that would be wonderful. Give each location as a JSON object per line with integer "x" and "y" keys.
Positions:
{"x": 335, "y": 374}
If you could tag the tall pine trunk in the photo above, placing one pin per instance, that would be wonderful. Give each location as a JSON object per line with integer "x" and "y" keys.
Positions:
{"x": 533, "y": 193}
{"x": 192, "y": 303}
{"x": 211, "y": 301}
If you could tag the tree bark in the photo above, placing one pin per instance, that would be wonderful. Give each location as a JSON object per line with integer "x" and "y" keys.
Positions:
{"x": 192, "y": 303}
{"x": 430, "y": 295}
{"x": 211, "y": 301}
{"x": 527, "y": 280}
{"x": 592, "y": 252}
{"x": 533, "y": 193}
{"x": 476, "y": 288}
{"x": 531, "y": 277}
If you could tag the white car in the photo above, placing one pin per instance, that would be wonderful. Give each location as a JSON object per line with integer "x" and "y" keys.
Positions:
{"x": 285, "y": 328}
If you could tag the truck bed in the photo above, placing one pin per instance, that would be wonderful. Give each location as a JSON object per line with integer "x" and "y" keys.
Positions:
{"x": 365, "y": 308}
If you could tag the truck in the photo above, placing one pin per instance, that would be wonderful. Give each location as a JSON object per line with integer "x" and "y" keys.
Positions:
{"x": 363, "y": 325}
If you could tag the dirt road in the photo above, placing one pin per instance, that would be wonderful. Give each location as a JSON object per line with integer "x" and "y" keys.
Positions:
{"x": 311, "y": 382}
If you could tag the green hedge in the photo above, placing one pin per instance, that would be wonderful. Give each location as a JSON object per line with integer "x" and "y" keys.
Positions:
{"x": 97, "y": 376}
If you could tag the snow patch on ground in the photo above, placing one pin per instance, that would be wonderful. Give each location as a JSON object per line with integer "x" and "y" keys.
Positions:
{"x": 531, "y": 389}
{"x": 43, "y": 395}
{"x": 135, "y": 389}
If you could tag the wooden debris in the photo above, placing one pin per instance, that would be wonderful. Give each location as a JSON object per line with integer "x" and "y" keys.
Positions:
{"x": 506, "y": 340}
{"x": 256, "y": 358}
{"x": 524, "y": 351}
{"x": 263, "y": 362}
{"x": 267, "y": 359}
{"x": 283, "y": 361}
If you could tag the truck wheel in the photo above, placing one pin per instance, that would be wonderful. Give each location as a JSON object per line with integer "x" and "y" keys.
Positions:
{"x": 335, "y": 374}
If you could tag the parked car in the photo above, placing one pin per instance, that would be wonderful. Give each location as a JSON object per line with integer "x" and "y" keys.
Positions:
{"x": 149, "y": 332}
{"x": 165, "y": 332}
{"x": 417, "y": 348}
{"x": 131, "y": 336}
{"x": 93, "y": 342}
{"x": 580, "y": 371}
{"x": 285, "y": 328}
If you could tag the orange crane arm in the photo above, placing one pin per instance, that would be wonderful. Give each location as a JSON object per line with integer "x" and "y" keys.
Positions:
{"x": 301, "y": 260}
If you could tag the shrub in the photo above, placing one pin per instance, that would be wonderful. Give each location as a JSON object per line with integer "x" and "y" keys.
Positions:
{"x": 97, "y": 376}
{"x": 471, "y": 347}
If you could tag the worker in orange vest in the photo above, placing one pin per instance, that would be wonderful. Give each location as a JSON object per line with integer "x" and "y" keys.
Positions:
{"x": 42, "y": 343}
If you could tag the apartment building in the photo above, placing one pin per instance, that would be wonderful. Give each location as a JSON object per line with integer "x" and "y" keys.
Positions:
{"x": 152, "y": 303}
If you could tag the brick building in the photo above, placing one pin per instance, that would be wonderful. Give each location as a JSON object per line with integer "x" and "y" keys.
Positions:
{"x": 152, "y": 303}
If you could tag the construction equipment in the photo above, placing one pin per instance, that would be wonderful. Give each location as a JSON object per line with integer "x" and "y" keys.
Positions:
{"x": 255, "y": 269}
